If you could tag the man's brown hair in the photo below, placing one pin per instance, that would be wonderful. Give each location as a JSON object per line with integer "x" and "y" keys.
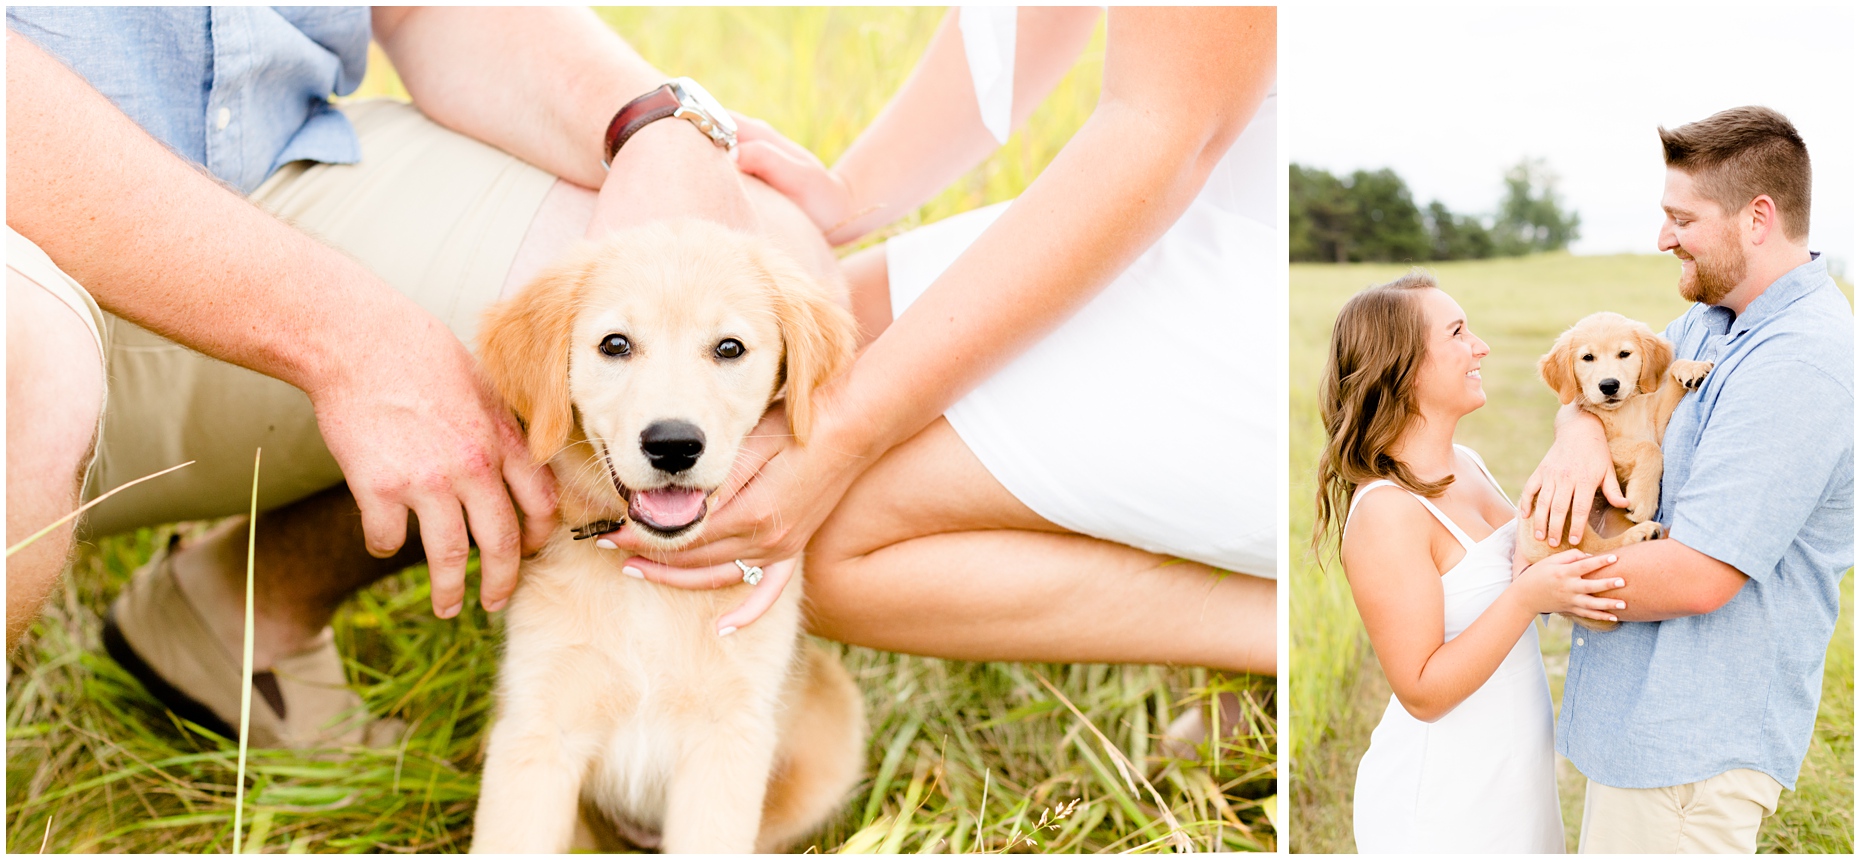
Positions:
{"x": 1737, "y": 154}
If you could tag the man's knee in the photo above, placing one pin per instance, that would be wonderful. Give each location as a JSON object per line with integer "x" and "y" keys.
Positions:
{"x": 54, "y": 393}
{"x": 54, "y": 390}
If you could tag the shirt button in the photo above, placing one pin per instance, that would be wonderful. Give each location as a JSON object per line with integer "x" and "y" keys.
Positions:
{"x": 223, "y": 119}
{"x": 1579, "y": 640}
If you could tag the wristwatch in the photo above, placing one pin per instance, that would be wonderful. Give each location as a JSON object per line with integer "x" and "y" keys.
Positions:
{"x": 679, "y": 97}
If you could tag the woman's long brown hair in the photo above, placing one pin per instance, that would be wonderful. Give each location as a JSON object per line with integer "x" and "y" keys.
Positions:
{"x": 1377, "y": 345}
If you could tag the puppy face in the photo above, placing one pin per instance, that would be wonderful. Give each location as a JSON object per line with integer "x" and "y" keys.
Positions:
{"x": 1605, "y": 359}
{"x": 641, "y": 364}
{"x": 673, "y": 359}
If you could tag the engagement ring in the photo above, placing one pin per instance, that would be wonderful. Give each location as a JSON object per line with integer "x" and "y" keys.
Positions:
{"x": 751, "y": 575}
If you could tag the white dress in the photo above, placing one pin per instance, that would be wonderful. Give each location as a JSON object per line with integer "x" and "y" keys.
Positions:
{"x": 1151, "y": 417}
{"x": 1483, "y": 777}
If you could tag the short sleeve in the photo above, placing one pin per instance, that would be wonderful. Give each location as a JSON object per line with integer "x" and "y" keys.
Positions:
{"x": 1763, "y": 464}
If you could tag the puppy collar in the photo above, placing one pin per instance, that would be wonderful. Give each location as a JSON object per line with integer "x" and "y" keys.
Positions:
{"x": 597, "y": 528}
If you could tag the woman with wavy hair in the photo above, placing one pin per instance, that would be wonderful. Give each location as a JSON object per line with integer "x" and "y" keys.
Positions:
{"x": 1462, "y": 760}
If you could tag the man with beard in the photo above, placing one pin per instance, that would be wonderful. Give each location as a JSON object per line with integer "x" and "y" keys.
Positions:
{"x": 1690, "y": 720}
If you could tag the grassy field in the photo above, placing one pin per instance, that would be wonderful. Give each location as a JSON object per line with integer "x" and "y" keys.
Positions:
{"x": 963, "y": 756}
{"x": 1337, "y": 691}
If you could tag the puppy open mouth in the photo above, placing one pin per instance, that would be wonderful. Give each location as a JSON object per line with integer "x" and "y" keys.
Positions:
{"x": 664, "y": 511}
{"x": 668, "y": 511}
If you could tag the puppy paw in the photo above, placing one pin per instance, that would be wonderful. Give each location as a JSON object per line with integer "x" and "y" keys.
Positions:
{"x": 1642, "y": 505}
{"x": 1690, "y": 374}
{"x": 1642, "y": 532}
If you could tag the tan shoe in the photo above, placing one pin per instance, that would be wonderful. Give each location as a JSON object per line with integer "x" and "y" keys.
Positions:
{"x": 302, "y": 702}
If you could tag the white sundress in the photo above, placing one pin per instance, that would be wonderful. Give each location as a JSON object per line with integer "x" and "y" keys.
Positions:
{"x": 1481, "y": 779}
{"x": 1150, "y": 418}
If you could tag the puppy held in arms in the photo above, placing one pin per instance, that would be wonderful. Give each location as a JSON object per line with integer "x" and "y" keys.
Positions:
{"x": 1620, "y": 371}
{"x": 638, "y": 366}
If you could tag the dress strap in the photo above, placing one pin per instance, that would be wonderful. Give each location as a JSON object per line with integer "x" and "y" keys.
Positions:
{"x": 1456, "y": 531}
{"x": 988, "y": 34}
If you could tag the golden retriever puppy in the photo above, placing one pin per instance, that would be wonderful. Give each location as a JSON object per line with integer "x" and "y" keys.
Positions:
{"x": 638, "y": 366}
{"x": 1620, "y": 371}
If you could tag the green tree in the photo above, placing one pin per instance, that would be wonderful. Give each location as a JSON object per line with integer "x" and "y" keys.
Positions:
{"x": 1531, "y": 216}
{"x": 1321, "y": 217}
{"x": 1457, "y": 237}
{"x": 1388, "y": 224}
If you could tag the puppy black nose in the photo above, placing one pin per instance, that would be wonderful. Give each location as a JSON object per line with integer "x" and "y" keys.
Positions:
{"x": 1609, "y": 386}
{"x": 672, "y": 446}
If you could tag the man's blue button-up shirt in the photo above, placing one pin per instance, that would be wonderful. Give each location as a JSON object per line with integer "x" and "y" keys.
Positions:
{"x": 1759, "y": 475}
{"x": 239, "y": 90}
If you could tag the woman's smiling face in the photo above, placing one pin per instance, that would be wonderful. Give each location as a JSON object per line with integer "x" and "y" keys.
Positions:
{"x": 1448, "y": 382}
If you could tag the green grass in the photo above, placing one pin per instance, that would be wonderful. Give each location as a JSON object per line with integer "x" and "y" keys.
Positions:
{"x": 1518, "y": 306}
{"x": 96, "y": 763}
{"x": 963, "y": 756}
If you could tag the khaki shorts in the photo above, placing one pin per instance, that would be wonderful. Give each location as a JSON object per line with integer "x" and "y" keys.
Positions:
{"x": 437, "y": 215}
{"x": 1719, "y": 815}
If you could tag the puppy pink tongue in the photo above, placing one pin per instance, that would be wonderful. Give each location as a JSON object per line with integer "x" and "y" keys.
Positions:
{"x": 670, "y": 507}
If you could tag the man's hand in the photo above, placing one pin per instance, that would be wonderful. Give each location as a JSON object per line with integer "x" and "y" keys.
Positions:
{"x": 1564, "y": 485}
{"x": 440, "y": 444}
{"x": 396, "y": 395}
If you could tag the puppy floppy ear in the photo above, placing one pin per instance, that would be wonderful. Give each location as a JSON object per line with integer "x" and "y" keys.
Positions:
{"x": 817, "y": 336}
{"x": 1557, "y": 370}
{"x": 523, "y": 345}
{"x": 1656, "y": 355}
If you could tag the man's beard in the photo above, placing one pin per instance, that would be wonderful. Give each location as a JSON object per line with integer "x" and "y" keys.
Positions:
{"x": 1712, "y": 280}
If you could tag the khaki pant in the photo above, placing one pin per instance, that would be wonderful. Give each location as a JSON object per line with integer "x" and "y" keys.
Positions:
{"x": 1719, "y": 815}
{"x": 437, "y": 215}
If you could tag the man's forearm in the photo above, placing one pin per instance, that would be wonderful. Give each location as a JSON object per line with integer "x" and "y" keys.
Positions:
{"x": 160, "y": 243}
{"x": 538, "y": 83}
{"x": 1667, "y": 579}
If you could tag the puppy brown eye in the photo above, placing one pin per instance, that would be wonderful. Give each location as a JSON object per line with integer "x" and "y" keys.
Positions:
{"x": 1589, "y": 357}
{"x": 1624, "y": 354}
{"x": 616, "y": 345}
{"x": 730, "y": 348}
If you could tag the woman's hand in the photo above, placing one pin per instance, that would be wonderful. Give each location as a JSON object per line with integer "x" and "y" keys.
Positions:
{"x": 764, "y": 594}
{"x": 1556, "y": 584}
{"x": 779, "y": 495}
{"x": 788, "y": 167}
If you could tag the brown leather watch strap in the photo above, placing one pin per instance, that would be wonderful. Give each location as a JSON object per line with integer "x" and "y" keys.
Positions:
{"x": 637, "y": 114}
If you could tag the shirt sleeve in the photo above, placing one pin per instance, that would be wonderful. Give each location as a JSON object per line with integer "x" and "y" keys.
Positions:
{"x": 1763, "y": 464}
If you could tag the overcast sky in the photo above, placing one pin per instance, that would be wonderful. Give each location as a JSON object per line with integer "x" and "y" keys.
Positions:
{"x": 1451, "y": 97}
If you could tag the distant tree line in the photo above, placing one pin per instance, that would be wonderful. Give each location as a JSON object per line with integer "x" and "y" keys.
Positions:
{"x": 1370, "y": 216}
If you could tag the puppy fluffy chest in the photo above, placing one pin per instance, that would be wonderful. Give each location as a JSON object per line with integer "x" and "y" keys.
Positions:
{"x": 633, "y": 669}
{"x": 1627, "y": 425}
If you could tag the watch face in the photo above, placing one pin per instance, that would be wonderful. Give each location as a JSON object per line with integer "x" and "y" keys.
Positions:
{"x": 702, "y": 97}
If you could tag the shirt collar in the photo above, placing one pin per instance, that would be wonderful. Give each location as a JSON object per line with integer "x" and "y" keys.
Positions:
{"x": 1781, "y": 293}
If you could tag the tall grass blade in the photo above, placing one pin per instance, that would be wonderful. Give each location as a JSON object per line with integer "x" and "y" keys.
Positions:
{"x": 245, "y": 689}
{"x": 85, "y": 507}
{"x": 1130, "y": 772}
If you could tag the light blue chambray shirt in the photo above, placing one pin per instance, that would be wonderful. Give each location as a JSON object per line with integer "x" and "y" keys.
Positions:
{"x": 1759, "y": 475}
{"x": 239, "y": 90}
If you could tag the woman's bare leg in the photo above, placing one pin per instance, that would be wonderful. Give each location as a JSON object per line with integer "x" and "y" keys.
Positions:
{"x": 929, "y": 554}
